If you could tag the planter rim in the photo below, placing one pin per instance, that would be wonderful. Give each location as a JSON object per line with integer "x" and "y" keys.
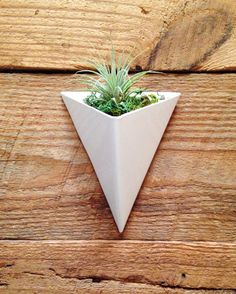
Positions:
{"x": 86, "y": 93}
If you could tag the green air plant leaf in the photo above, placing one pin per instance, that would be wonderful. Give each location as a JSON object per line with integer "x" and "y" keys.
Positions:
{"x": 112, "y": 89}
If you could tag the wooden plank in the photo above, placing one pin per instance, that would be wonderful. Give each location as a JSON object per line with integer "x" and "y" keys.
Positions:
{"x": 173, "y": 35}
{"x": 50, "y": 191}
{"x": 149, "y": 267}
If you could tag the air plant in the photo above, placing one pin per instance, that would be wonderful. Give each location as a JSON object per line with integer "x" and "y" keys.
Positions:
{"x": 112, "y": 91}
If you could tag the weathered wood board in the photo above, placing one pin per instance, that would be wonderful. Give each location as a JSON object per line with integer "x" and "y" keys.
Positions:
{"x": 173, "y": 35}
{"x": 49, "y": 189}
{"x": 117, "y": 267}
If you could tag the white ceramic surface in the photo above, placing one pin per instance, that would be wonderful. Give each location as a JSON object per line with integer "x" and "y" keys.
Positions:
{"x": 120, "y": 148}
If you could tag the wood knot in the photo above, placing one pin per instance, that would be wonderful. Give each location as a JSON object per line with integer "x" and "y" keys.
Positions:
{"x": 138, "y": 68}
{"x": 143, "y": 10}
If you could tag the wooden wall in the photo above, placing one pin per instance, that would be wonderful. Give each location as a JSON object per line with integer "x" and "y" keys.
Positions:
{"x": 57, "y": 234}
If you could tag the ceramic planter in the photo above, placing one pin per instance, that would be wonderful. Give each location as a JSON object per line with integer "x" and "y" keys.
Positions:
{"x": 120, "y": 148}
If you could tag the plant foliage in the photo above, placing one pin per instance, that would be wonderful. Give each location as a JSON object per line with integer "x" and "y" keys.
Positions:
{"x": 112, "y": 90}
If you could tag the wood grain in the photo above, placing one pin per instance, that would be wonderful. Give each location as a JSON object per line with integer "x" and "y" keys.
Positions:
{"x": 49, "y": 189}
{"x": 173, "y": 35}
{"x": 117, "y": 266}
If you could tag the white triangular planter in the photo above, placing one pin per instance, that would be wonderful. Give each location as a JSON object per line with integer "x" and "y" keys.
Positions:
{"x": 120, "y": 148}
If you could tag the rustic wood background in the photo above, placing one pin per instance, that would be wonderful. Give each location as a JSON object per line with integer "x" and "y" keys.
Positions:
{"x": 57, "y": 234}
{"x": 198, "y": 35}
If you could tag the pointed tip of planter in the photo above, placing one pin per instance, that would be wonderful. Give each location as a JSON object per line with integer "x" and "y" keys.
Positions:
{"x": 120, "y": 208}
{"x": 125, "y": 198}
{"x": 121, "y": 220}
{"x": 116, "y": 148}
{"x": 121, "y": 228}
{"x": 120, "y": 224}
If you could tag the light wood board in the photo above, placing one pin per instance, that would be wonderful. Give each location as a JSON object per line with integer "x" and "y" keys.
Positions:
{"x": 170, "y": 35}
{"x": 49, "y": 188}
